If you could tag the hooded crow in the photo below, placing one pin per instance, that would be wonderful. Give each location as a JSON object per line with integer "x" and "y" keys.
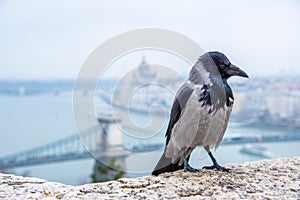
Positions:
{"x": 200, "y": 113}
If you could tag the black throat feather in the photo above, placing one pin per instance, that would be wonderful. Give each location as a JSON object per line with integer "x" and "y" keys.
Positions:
{"x": 228, "y": 92}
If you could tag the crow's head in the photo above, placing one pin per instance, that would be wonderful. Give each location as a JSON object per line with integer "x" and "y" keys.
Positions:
{"x": 225, "y": 68}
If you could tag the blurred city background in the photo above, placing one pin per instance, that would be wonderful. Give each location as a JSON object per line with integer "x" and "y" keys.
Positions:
{"x": 44, "y": 44}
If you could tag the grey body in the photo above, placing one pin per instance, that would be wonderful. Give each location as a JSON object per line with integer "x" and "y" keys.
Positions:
{"x": 200, "y": 111}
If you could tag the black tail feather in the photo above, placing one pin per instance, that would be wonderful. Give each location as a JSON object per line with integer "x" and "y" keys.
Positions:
{"x": 165, "y": 165}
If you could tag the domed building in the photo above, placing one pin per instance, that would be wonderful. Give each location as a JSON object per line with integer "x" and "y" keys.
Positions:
{"x": 146, "y": 86}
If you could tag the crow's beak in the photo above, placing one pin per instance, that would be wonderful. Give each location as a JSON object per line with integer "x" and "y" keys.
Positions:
{"x": 235, "y": 71}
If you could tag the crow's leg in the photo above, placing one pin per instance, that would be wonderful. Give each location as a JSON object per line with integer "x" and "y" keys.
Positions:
{"x": 186, "y": 165}
{"x": 215, "y": 165}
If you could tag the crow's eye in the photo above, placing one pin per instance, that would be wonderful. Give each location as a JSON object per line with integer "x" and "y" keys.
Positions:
{"x": 222, "y": 66}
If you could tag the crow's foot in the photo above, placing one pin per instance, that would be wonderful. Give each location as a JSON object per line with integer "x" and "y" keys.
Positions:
{"x": 218, "y": 167}
{"x": 189, "y": 168}
{"x": 186, "y": 165}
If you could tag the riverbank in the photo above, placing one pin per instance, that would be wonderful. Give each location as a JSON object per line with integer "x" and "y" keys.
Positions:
{"x": 265, "y": 179}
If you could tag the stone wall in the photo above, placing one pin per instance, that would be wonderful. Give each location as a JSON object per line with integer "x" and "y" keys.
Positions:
{"x": 265, "y": 179}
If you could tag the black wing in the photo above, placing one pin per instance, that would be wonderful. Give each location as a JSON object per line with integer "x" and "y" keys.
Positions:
{"x": 178, "y": 105}
{"x": 165, "y": 164}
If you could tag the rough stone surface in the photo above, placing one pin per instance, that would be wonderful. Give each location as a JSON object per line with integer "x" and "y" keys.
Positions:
{"x": 265, "y": 179}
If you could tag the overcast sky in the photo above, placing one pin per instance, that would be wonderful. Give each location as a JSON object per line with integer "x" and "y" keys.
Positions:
{"x": 51, "y": 39}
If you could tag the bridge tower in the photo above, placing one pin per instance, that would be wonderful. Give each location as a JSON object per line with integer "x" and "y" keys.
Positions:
{"x": 110, "y": 162}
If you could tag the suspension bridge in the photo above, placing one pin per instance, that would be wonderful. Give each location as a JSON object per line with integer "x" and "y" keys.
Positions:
{"x": 69, "y": 148}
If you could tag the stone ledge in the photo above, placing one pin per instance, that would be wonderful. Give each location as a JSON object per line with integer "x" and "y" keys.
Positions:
{"x": 265, "y": 179}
